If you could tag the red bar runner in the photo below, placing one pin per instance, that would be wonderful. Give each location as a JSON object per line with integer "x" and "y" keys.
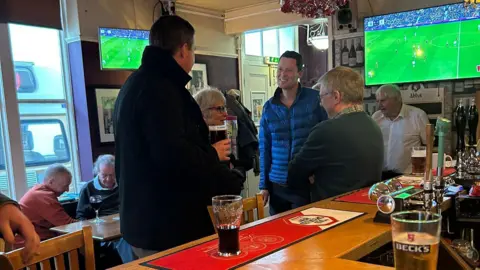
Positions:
{"x": 257, "y": 241}
{"x": 360, "y": 196}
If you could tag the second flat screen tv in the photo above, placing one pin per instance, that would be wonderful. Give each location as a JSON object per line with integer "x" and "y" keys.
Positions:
{"x": 438, "y": 43}
{"x": 121, "y": 48}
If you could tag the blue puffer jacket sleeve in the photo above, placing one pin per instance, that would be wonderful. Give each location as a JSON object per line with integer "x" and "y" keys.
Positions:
{"x": 265, "y": 140}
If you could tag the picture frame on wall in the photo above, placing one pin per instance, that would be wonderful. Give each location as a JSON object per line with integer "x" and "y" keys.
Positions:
{"x": 258, "y": 100}
{"x": 105, "y": 99}
{"x": 199, "y": 78}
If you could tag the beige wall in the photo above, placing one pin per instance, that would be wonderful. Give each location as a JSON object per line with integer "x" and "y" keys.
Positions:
{"x": 85, "y": 16}
{"x": 210, "y": 36}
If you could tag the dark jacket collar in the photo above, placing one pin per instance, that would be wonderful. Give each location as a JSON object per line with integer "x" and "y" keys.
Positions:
{"x": 278, "y": 92}
{"x": 162, "y": 61}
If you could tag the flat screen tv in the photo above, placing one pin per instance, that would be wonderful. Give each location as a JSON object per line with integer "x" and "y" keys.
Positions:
{"x": 431, "y": 44}
{"x": 121, "y": 48}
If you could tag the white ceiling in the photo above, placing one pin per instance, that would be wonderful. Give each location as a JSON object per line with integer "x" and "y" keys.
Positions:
{"x": 223, "y": 5}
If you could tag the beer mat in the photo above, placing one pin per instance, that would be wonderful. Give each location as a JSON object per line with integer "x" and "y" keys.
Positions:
{"x": 256, "y": 241}
{"x": 359, "y": 196}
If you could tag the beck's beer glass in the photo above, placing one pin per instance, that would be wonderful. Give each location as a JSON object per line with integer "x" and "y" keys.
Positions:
{"x": 416, "y": 238}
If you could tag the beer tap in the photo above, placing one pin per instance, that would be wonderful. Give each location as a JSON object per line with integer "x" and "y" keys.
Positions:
{"x": 441, "y": 129}
{"x": 427, "y": 183}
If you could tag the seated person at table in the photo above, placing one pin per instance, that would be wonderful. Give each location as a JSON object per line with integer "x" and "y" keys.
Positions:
{"x": 104, "y": 185}
{"x": 40, "y": 204}
{"x": 345, "y": 152}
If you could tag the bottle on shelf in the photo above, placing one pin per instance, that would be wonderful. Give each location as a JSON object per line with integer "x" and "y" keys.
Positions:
{"x": 345, "y": 54}
{"x": 352, "y": 55}
{"x": 359, "y": 51}
{"x": 472, "y": 123}
{"x": 460, "y": 123}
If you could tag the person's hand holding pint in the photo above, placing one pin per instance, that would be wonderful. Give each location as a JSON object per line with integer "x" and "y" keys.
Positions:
{"x": 224, "y": 149}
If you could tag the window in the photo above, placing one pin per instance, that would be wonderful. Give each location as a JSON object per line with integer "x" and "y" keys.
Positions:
{"x": 4, "y": 183}
{"x": 270, "y": 42}
{"x": 43, "y": 114}
{"x": 253, "y": 44}
{"x": 287, "y": 39}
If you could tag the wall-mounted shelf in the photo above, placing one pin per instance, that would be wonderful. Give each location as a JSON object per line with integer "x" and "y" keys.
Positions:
{"x": 466, "y": 91}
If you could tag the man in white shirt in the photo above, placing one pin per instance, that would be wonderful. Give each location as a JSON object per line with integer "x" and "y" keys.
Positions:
{"x": 403, "y": 127}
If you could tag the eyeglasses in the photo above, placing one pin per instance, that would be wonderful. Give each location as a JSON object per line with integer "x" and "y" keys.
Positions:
{"x": 219, "y": 108}
{"x": 324, "y": 94}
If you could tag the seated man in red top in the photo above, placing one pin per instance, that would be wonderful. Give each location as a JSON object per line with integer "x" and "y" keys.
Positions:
{"x": 40, "y": 204}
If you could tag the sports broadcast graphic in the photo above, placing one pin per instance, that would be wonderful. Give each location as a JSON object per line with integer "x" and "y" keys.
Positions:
{"x": 122, "y": 48}
{"x": 438, "y": 43}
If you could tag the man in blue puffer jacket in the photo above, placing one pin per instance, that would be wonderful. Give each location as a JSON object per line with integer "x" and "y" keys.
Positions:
{"x": 285, "y": 125}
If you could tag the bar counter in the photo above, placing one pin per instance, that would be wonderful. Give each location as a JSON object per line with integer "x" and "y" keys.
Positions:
{"x": 336, "y": 248}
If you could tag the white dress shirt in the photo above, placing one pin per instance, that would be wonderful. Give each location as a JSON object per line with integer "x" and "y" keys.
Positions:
{"x": 400, "y": 135}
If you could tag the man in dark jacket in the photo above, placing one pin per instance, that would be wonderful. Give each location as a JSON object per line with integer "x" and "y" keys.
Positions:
{"x": 286, "y": 122}
{"x": 345, "y": 152}
{"x": 166, "y": 168}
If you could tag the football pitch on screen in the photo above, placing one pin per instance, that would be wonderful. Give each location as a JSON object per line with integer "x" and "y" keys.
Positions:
{"x": 122, "y": 53}
{"x": 424, "y": 53}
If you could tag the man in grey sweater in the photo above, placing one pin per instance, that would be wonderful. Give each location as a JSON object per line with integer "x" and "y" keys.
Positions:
{"x": 345, "y": 152}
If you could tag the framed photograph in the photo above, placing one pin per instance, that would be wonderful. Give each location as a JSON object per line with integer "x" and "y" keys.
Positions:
{"x": 258, "y": 100}
{"x": 106, "y": 98}
{"x": 199, "y": 78}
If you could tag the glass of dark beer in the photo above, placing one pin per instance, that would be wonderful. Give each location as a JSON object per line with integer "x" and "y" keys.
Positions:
{"x": 416, "y": 238}
{"x": 228, "y": 213}
{"x": 419, "y": 158}
{"x": 217, "y": 133}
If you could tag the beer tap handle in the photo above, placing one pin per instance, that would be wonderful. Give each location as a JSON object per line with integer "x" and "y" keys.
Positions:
{"x": 428, "y": 162}
{"x": 441, "y": 128}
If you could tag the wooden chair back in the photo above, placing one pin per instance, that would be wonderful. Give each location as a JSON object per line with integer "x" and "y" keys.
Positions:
{"x": 55, "y": 249}
{"x": 249, "y": 206}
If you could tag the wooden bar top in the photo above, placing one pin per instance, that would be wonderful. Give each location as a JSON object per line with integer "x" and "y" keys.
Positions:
{"x": 336, "y": 248}
{"x": 105, "y": 231}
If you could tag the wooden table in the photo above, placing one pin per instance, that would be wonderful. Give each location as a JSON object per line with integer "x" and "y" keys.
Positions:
{"x": 105, "y": 231}
{"x": 336, "y": 248}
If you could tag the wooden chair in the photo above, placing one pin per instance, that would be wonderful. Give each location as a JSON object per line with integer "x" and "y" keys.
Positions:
{"x": 249, "y": 205}
{"x": 55, "y": 249}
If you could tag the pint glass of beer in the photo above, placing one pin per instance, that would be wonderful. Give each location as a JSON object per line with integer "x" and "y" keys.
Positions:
{"x": 416, "y": 237}
{"x": 217, "y": 133}
{"x": 228, "y": 214}
{"x": 419, "y": 158}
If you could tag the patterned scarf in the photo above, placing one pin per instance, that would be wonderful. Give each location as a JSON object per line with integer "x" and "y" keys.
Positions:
{"x": 352, "y": 109}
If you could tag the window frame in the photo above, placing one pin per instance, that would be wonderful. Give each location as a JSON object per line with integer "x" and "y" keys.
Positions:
{"x": 15, "y": 166}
